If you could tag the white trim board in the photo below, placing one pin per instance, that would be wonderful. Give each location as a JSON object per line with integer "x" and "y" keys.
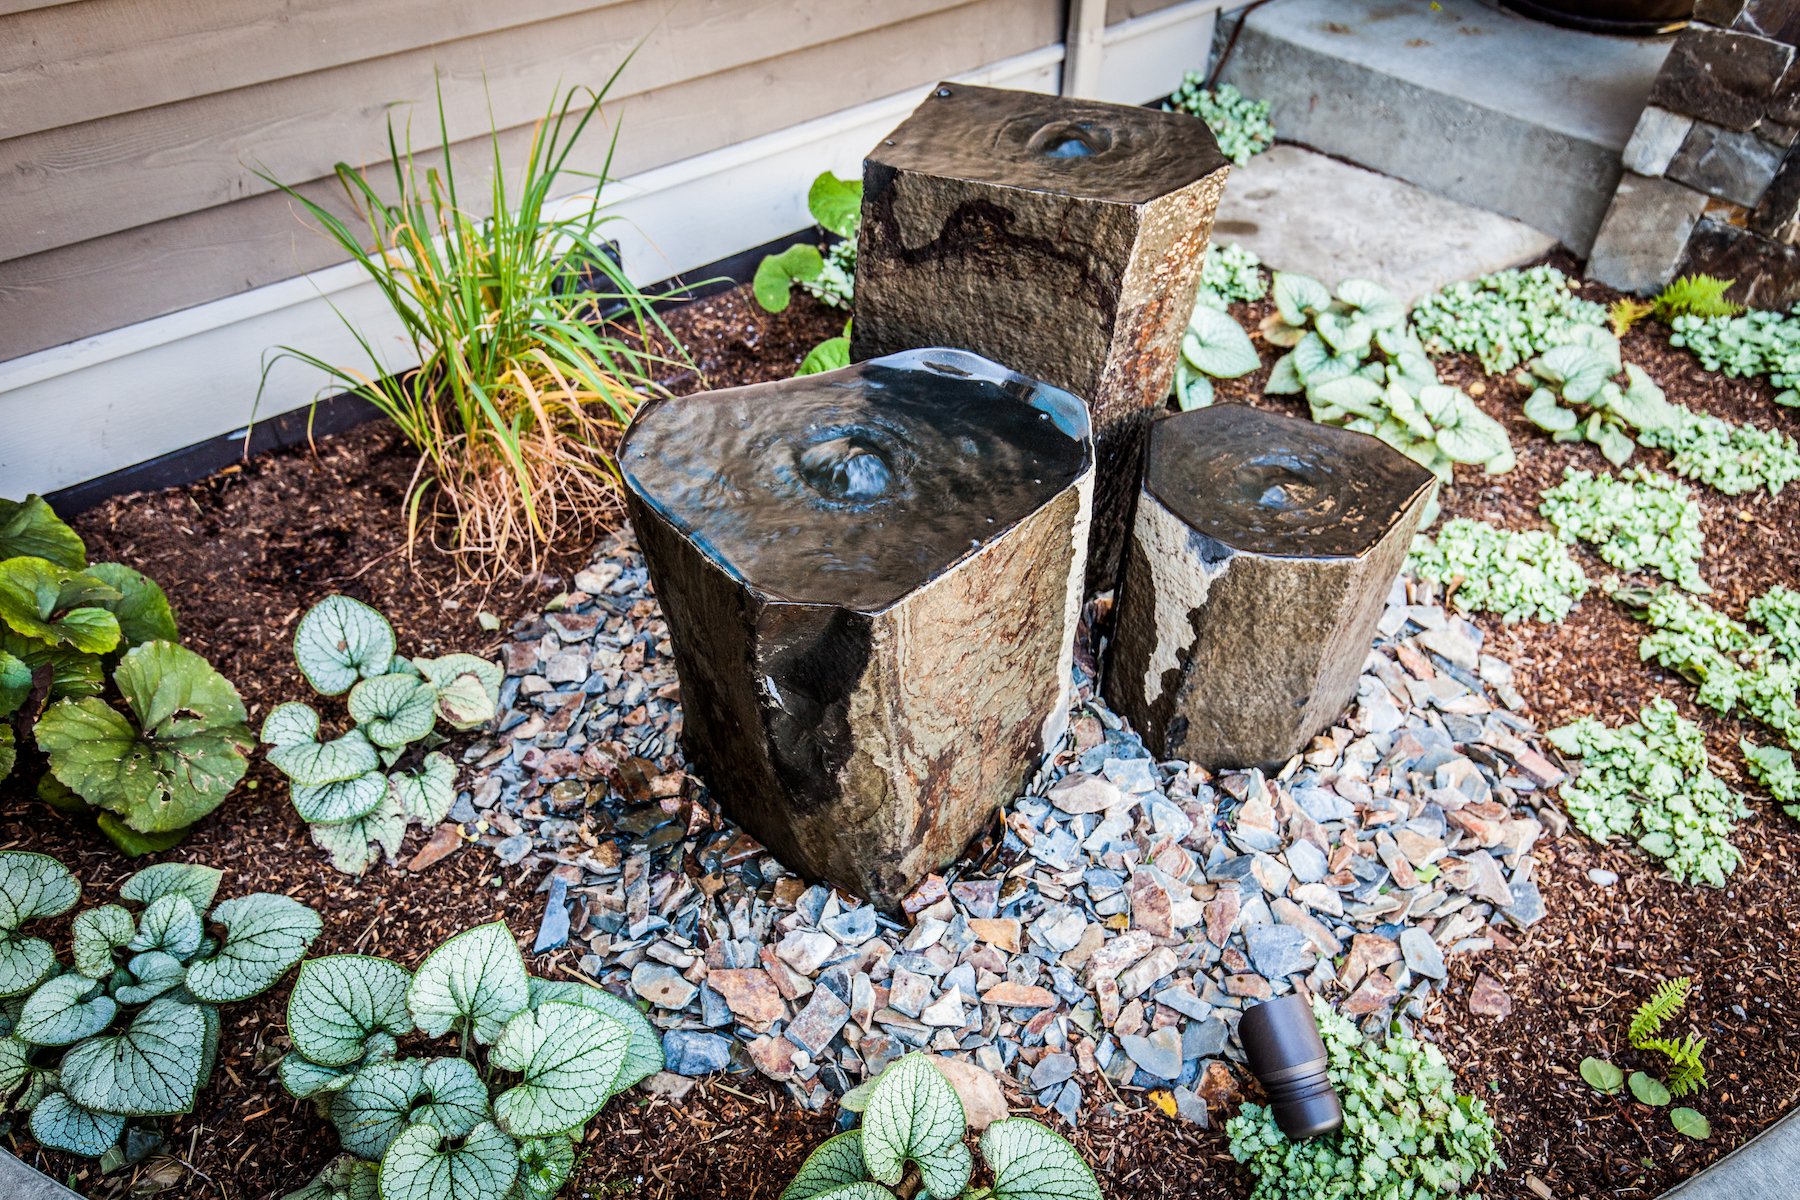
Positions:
{"x": 78, "y": 411}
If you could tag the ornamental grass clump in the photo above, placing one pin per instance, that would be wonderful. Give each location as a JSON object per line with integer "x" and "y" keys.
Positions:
{"x": 1637, "y": 520}
{"x": 1240, "y": 124}
{"x": 494, "y": 1114}
{"x": 1518, "y": 574}
{"x": 1406, "y": 1134}
{"x": 131, "y": 1029}
{"x": 519, "y": 397}
{"x": 1650, "y": 781}
{"x": 1506, "y": 317}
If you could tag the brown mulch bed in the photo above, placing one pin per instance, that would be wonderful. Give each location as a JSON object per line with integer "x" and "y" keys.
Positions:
{"x": 243, "y": 553}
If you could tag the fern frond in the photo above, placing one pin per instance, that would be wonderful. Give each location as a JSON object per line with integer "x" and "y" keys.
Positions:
{"x": 1696, "y": 296}
{"x": 1655, "y": 1012}
{"x": 1687, "y": 1074}
{"x": 1626, "y": 312}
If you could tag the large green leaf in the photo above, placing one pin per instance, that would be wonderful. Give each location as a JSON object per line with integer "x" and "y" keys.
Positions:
{"x": 97, "y": 933}
{"x": 15, "y": 686}
{"x": 340, "y": 639}
{"x": 314, "y": 764}
{"x": 419, "y": 1166}
{"x": 345, "y": 1177}
{"x": 64, "y": 1010}
{"x": 72, "y": 673}
{"x": 198, "y": 883}
{"x": 1031, "y": 1162}
{"x": 185, "y": 754}
{"x": 1298, "y": 296}
{"x": 1217, "y": 345}
{"x": 142, "y": 608}
{"x": 837, "y": 1162}
{"x": 152, "y": 1069}
{"x": 265, "y": 935}
{"x": 372, "y": 1109}
{"x": 129, "y": 841}
{"x": 569, "y": 1056}
{"x": 153, "y": 974}
{"x": 829, "y": 355}
{"x": 29, "y": 528}
{"x": 171, "y": 924}
{"x": 339, "y": 1000}
{"x": 914, "y": 1116}
{"x": 57, "y": 606}
{"x": 31, "y": 886}
{"x": 341, "y": 802}
{"x": 476, "y": 980}
{"x": 428, "y": 793}
{"x": 836, "y": 204}
{"x": 468, "y": 688}
{"x": 59, "y": 1123}
{"x": 8, "y": 752}
{"x": 355, "y": 845}
{"x": 394, "y": 710}
{"x": 644, "y": 1055}
{"x": 776, "y": 274}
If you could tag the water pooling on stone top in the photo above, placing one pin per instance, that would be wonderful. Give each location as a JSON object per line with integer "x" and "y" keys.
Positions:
{"x": 856, "y": 486}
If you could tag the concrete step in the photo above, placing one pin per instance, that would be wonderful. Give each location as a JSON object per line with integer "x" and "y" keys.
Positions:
{"x": 1761, "y": 1169}
{"x": 1469, "y": 102}
{"x": 1302, "y": 211}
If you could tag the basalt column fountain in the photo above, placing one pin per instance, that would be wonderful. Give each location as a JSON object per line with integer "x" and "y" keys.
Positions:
{"x": 872, "y": 579}
{"x": 1261, "y": 555}
{"x": 1061, "y": 237}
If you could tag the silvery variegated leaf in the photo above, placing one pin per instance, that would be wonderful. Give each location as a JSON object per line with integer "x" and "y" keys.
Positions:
{"x": 1581, "y": 371}
{"x": 339, "y": 1000}
{"x": 475, "y": 980}
{"x": 914, "y": 1116}
{"x": 304, "y": 1079}
{"x": 340, "y": 802}
{"x": 355, "y": 845}
{"x": 1031, "y": 1162}
{"x": 152, "y": 1069}
{"x": 457, "y": 1099}
{"x": 836, "y": 1163}
{"x": 1542, "y": 410}
{"x": 290, "y": 724}
{"x": 569, "y": 1055}
{"x": 61, "y": 1124}
{"x": 15, "y": 1066}
{"x": 1192, "y": 389}
{"x": 857, "y": 1191}
{"x": 340, "y": 639}
{"x": 1344, "y": 333}
{"x": 265, "y": 935}
{"x": 313, "y": 764}
{"x": 97, "y": 933}
{"x": 1352, "y": 394}
{"x": 372, "y": 1109}
{"x": 419, "y": 1166}
{"x": 345, "y": 1177}
{"x": 545, "y": 1164}
{"x": 643, "y": 1057}
{"x": 199, "y": 884}
{"x": 171, "y": 924}
{"x": 1217, "y": 345}
{"x": 1284, "y": 379}
{"x": 153, "y": 973}
{"x": 31, "y": 886}
{"x": 1373, "y": 303}
{"x": 427, "y": 793}
{"x": 64, "y": 1010}
{"x": 1298, "y": 296}
{"x": 468, "y": 688}
{"x": 394, "y": 710}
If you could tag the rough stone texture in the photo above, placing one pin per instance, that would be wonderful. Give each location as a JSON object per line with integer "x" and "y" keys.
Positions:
{"x": 1767, "y": 272}
{"x": 1263, "y": 550}
{"x": 1645, "y": 234}
{"x": 1772, "y": 18}
{"x": 1723, "y": 163}
{"x": 1778, "y": 215}
{"x": 824, "y": 547}
{"x": 1653, "y": 143}
{"x": 1722, "y": 77}
{"x": 1061, "y": 237}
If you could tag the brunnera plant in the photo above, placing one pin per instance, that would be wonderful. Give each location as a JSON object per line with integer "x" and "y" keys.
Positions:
{"x": 148, "y": 754}
{"x": 495, "y": 1115}
{"x": 913, "y": 1123}
{"x": 359, "y": 791}
{"x": 131, "y": 1029}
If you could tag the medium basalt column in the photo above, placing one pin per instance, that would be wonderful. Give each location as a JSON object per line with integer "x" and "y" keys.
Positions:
{"x": 1261, "y": 555}
{"x": 872, "y": 579}
{"x": 1061, "y": 237}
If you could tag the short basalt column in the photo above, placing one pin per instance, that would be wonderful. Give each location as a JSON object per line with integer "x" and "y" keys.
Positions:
{"x": 872, "y": 579}
{"x": 1262, "y": 552}
{"x": 1061, "y": 237}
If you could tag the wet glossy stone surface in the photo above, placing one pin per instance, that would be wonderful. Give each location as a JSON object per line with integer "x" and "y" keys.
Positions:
{"x": 1061, "y": 237}
{"x": 872, "y": 583}
{"x": 1262, "y": 549}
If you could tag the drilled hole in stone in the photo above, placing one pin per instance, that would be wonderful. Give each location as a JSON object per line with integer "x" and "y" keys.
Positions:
{"x": 1279, "y": 483}
{"x": 1070, "y": 139}
{"x": 847, "y": 470}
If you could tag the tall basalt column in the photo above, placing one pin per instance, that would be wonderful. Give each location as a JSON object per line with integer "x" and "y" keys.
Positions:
{"x": 1261, "y": 555}
{"x": 872, "y": 579}
{"x": 1060, "y": 237}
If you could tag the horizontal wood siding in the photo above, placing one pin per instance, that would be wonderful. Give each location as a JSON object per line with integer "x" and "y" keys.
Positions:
{"x": 157, "y": 205}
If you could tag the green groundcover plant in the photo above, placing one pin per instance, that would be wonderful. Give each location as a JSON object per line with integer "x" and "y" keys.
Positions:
{"x": 1240, "y": 124}
{"x": 1407, "y": 1135}
{"x": 359, "y": 791}
{"x": 1759, "y": 342}
{"x": 1519, "y": 574}
{"x": 1650, "y": 781}
{"x": 836, "y": 206}
{"x": 1773, "y": 768}
{"x": 1230, "y": 274}
{"x": 498, "y": 1113}
{"x": 914, "y": 1124}
{"x": 1506, "y": 317}
{"x": 1637, "y": 520}
{"x": 1683, "y": 1071}
{"x": 130, "y": 1030}
{"x": 133, "y": 727}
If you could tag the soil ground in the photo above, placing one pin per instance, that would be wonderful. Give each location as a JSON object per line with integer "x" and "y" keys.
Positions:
{"x": 243, "y": 553}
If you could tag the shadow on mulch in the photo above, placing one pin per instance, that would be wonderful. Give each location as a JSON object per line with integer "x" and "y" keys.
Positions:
{"x": 243, "y": 553}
